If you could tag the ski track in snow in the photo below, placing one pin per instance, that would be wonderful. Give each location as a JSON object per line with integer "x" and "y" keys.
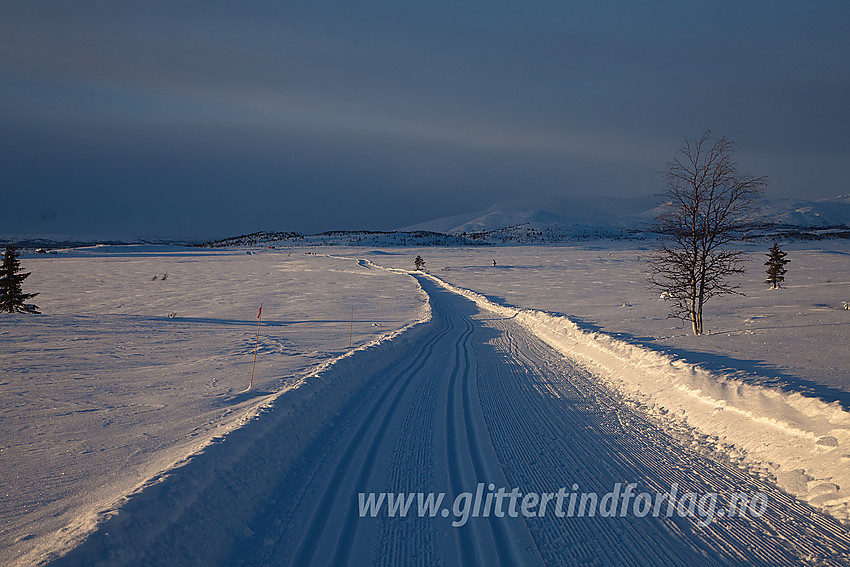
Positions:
{"x": 469, "y": 397}
{"x": 603, "y": 442}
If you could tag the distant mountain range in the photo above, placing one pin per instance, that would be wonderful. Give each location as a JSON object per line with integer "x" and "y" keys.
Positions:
{"x": 542, "y": 221}
{"x": 608, "y": 216}
{"x": 562, "y": 214}
{"x": 562, "y": 220}
{"x": 811, "y": 214}
{"x": 375, "y": 238}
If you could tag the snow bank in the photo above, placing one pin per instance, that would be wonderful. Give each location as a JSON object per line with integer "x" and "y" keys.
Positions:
{"x": 803, "y": 442}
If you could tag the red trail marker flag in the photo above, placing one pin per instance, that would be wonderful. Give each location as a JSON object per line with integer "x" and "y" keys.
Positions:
{"x": 257, "y": 344}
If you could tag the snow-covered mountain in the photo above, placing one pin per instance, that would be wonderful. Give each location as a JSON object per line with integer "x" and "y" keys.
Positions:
{"x": 541, "y": 221}
{"x": 584, "y": 212}
{"x": 805, "y": 213}
{"x": 582, "y": 218}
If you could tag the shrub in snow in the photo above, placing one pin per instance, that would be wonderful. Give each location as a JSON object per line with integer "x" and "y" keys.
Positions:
{"x": 418, "y": 263}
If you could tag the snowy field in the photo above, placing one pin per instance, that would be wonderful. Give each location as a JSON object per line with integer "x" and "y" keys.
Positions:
{"x": 124, "y": 375}
{"x": 795, "y": 337}
{"x": 128, "y": 374}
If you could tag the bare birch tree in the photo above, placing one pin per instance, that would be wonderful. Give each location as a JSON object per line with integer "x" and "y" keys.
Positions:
{"x": 708, "y": 203}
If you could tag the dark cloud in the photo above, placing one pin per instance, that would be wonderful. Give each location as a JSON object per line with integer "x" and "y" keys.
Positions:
{"x": 207, "y": 118}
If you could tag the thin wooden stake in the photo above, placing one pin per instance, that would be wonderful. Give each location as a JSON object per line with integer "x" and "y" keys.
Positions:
{"x": 257, "y": 344}
{"x": 351, "y": 328}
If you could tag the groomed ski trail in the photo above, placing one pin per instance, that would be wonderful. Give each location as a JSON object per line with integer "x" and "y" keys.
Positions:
{"x": 469, "y": 397}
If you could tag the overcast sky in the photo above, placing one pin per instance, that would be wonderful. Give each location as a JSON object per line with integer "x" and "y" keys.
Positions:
{"x": 206, "y": 119}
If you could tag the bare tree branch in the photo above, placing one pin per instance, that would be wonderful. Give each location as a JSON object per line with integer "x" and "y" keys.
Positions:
{"x": 708, "y": 205}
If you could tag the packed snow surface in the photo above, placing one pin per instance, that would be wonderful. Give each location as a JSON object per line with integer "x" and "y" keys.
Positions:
{"x": 564, "y": 372}
{"x": 771, "y": 381}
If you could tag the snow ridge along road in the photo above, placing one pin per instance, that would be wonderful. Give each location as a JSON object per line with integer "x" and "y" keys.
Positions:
{"x": 802, "y": 442}
{"x": 469, "y": 398}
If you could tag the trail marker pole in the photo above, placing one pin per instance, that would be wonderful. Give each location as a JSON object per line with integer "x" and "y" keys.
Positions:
{"x": 256, "y": 344}
{"x": 351, "y": 327}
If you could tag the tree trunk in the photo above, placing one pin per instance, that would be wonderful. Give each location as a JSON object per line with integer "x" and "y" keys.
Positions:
{"x": 694, "y": 314}
{"x": 700, "y": 302}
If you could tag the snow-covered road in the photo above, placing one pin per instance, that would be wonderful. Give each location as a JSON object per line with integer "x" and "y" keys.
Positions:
{"x": 468, "y": 398}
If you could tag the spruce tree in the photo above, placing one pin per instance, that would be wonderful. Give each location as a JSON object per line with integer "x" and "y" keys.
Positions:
{"x": 776, "y": 266}
{"x": 418, "y": 263}
{"x": 12, "y": 297}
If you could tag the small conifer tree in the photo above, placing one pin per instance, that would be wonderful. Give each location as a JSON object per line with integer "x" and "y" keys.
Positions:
{"x": 776, "y": 266}
{"x": 418, "y": 263}
{"x": 12, "y": 297}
